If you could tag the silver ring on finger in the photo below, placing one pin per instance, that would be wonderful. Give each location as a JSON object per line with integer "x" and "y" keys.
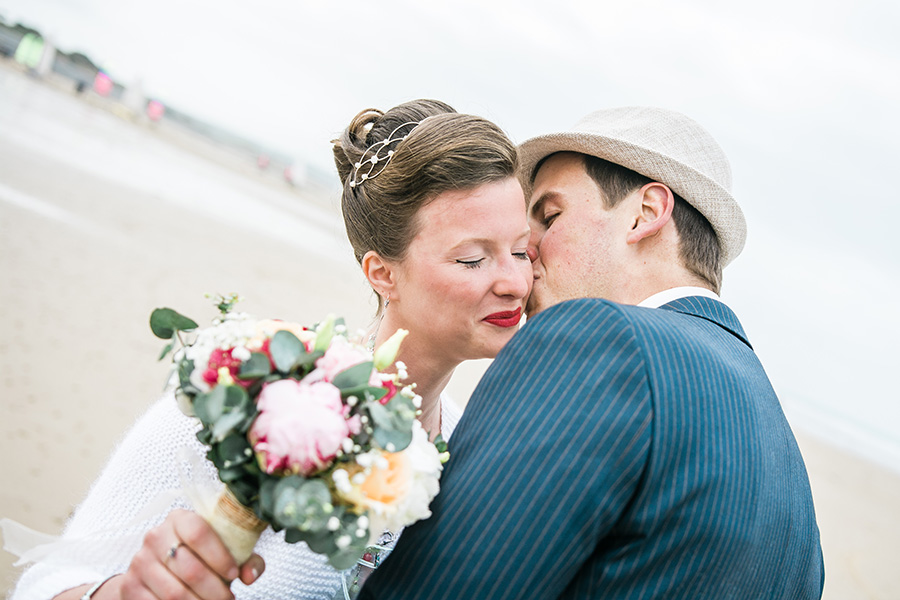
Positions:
{"x": 173, "y": 550}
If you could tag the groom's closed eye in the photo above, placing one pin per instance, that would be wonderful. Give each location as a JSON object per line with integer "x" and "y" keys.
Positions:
{"x": 545, "y": 210}
{"x": 549, "y": 217}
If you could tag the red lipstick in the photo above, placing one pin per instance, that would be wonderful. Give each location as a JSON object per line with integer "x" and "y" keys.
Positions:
{"x": 507, "y": 318}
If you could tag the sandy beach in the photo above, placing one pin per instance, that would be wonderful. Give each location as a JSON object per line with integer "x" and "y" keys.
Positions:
{"x": 102, "y": 220}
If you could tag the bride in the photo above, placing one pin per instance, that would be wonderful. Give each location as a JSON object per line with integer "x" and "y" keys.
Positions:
{"x": 437, "y": 222}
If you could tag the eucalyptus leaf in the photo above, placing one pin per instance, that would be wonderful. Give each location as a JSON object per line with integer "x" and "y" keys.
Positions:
{"x": 292, "y": 536}
{"x": 243, "y": 490}
{"x": 374, "y": 393}
{"x": 392, "y": 440}
{"x": 227, "y": 424}
{"x": 236, "y": 414}
{"x": 309, "y": 358}
{"x": 290, "y": 482}
{"x": 267, "y": 497}
{"x": 257, "y": 365}
{"x": 210, "y": 407}
{"x": 234, "y": 450}
{"x": 366, "y": 392}
{"x": 236, "y": 396}
{"x": 245, "y": 425}
{"x": 231, "y": 474}
{"x": 164, "y": 322}
{"x": 184, "y": 369}
{"x": 321, "y": 542}
{"x": 393, "y": 427}
{"x": 355, "y": 377}
{"x": 166, "y": 350}
{"x": 204, "y": 436}
{"x": 346, "y": 558}
{"x": 307, "y": 507}
{"x": 349, "y": 528}
{"x": 286, "y": 350}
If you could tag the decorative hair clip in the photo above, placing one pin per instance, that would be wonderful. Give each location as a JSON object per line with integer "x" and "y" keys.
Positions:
{"x": 375, "y": 158}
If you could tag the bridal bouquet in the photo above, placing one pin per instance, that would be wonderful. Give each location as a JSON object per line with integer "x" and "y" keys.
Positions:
{"x": 306, "y": 428}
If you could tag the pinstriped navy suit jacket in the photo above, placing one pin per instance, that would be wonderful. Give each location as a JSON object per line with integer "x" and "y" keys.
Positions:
{"x": 618, "y": 452}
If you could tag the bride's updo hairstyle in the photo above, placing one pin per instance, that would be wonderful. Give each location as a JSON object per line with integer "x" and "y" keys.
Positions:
{"x": 421, "y": 149}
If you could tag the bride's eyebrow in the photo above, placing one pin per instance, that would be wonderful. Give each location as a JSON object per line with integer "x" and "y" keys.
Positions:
{"x": 473, "y": 242}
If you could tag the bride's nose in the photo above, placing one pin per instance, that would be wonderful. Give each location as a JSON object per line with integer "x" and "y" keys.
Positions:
{"x": 513, "y": 280}
{"x": 534, "y": 242}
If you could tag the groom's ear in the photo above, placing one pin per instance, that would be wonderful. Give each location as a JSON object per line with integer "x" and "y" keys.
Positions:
{"x": 655, "y": 210}
{"x": 379, "y": 272}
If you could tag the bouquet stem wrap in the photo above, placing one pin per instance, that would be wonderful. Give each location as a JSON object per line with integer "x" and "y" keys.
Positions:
{"x": 237, "y": 525}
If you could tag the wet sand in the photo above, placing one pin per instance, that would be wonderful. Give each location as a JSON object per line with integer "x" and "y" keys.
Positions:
{"x": 90, "y": 243}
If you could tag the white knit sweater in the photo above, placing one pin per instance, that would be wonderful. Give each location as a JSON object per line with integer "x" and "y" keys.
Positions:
{"x": 146, "y": 463}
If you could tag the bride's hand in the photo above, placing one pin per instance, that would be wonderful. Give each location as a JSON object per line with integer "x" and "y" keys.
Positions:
{"x": 184, "y": 558}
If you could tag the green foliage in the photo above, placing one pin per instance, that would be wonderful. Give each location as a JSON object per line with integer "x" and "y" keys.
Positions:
{"x": 164, "y": 322}
{"x": 225, "y": 410}
{"x": 166, "y": 350}
{"x": 354, "y": 380}
{"x": 286, "y": 351}
{"x": 303, "y": 504}
{"x": 393, "y": 428}
{"x": 257, "y": 366}
{"x": 225, "y": 303}
{"x": 324, "y": 334}
{"x": 325, "y": 541}
{"x": 440, "y": 444}
{"x": 245, "y": 490}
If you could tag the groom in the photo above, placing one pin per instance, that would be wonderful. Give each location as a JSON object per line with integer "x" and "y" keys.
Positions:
{"x": 627, "y": 442}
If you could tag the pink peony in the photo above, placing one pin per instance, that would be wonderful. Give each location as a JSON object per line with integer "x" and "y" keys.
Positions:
{"x": 341, "y": 355}
{"x": 300, "y": 426}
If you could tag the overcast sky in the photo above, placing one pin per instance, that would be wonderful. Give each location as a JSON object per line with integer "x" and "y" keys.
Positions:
{"x": 802, "y": 95}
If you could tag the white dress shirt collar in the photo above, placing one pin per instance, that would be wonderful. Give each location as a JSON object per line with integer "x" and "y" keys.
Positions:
{"x": 666, "y": 296}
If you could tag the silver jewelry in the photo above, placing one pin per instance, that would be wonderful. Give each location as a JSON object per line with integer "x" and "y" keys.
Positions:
{"x": 174, "y": 550}
{"x": 88, "y": 594}
{"x": 375, "y": 159}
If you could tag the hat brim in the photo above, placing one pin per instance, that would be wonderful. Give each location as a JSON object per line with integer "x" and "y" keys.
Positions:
{"x": 703, "y": 193}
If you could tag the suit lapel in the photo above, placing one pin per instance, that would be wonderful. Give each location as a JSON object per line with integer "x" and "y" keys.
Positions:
{"x": 711, "y": 310}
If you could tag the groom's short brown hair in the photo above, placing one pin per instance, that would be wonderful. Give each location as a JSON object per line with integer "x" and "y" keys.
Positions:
{"x": 699, "y": 247}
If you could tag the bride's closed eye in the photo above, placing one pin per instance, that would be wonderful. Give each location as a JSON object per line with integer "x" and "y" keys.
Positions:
{"x": 471, "y": 264}
{"x": 521, "y": 255}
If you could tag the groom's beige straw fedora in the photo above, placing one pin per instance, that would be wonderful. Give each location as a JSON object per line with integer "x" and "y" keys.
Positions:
{"x": 663, "y": 145}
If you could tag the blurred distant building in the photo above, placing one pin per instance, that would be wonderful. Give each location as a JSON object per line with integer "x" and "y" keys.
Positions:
{"x": 35, "y": 52}
{"x": 11, "y": 37}
{"x": 30, "y": 51}
{"x": 77, "y": 67}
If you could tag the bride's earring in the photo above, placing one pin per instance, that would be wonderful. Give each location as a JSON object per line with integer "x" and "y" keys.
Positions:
{"x": 387, "y": 301}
